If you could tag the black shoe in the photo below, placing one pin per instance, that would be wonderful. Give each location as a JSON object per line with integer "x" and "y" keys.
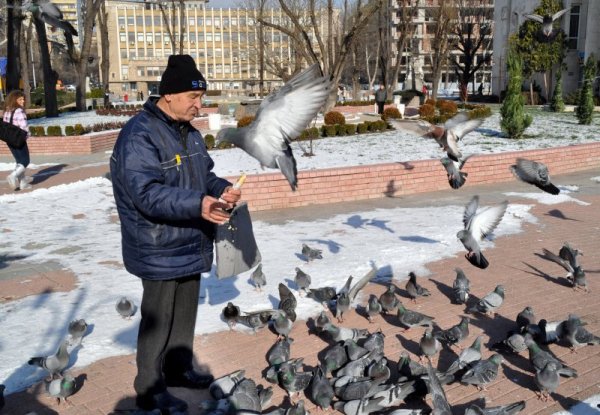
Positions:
{"x": 189, "y": 379}
{"x": 163, "y": 401}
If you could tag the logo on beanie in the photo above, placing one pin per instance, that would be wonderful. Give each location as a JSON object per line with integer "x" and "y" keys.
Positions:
{"x": 199, "y": 84}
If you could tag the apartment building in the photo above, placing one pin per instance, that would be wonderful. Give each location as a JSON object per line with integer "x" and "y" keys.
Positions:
{"x": 583, "y": 39}
{"x": 223, "y": 41}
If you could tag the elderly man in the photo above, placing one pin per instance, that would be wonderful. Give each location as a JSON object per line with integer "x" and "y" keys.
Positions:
{"x": 169, "y": 201}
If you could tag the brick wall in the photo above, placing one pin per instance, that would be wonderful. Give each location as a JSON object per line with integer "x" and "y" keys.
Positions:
{"x": 271, "y": 191}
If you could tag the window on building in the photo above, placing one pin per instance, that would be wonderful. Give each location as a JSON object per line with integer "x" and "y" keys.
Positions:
{"x": 252, "y": 37}
{"x": 200, "y": 21}
{"x": 235, "y": 69}
{"x": 157, "y": 20}
{"x": 209, "y": 53}
{"x": 123, "y": 37}
{"x": 149, "y": 38}
{"x": 141, "y": 71}
{"x": 210, "y": 70}
{"x": 226, "y": 37}
{"x": 158, "y": 53}
{"x": 226, "y": 69}
{"x": 234, "y": 21}
{"x": 225, "y": 21}
{"x": 123, "y": 53}
{"x": 139, "y": 20}
{"x": 243, "y": 36}
{"x": 191, "y": 21}
{"x": 140, "y": 37}
{"x": 121, "y": 21}
{"x": 208, "y": 21}
{"x": 132, "y": 54}
{"x": 131, "y": 37}
{"x": 217, "y": 37}
{"x": 201, "y": 37}
{"x": 150, "y": 53}
{"x": 242, "y": 21}
{"x": 201, "y": 53}
{"x": 148, "y": 20}
{"x": 218, "y": 52}
{"x": 157, "y": 37}
{"x": 234, "y": 36}
{"x": 209, "y": 37}
{"x": 217, "y": 22}
{"x": 219, "y": 68}
{"x": 573, "y": 35}
{"x": 141, "y": 53}
{"x": 130, "y": 21}
{"x": 124, "y": 72}
{"x": 192, "y": 36}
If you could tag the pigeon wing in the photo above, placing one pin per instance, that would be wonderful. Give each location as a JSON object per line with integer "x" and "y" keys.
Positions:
{"x": 470, "y": 210}
{"x": 535, "y": 18}
{"x": 484, "y": 222}
{"x": 464, "y": 128}
{"x": 559, "y": 14}
{"x": 361, "y": 283}
{"x": 419, "y": 128}
{"x": 553, "y": 257}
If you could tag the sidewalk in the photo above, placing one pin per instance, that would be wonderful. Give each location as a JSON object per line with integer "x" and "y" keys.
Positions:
{"x": 107, "y": 384}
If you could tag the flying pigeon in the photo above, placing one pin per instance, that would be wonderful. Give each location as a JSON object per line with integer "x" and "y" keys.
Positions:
{"x": 258, "y": 278}
{"x": 223, "y": 386}
{"x": 76, "y": 330}
{"x": 287, "y": 302}
{"x": 447, "y": 136}
{"x": 456, "y": 177}
{"x": 125, "y": 307}
{"x": 414, "y": 289}
{"x": 230, "y": 314}
{"x": 547, "y": 31}
{"x": 281, "y": 117}
{"x": 483, "y": 372}
{"x": 575, "y": 273}
{"x": 311, "y": 254}
{"x": 302, "y": 280}
{"x": 510, "y": 409}
{"x": 411, "y": 318}
{"x": 467, "y": 357}
{"x": 50, "y": 14}
{"x": 53, "y": 364}
{"x": 577, "y": 335}
{"x": 491, "y": 302}
{"x": 478, "y": 225}
{"x": 535, "y": 173}
{"x": 461, "y": 287}
{"x": 547, "y": 380}
{"x": 61, "y": 388}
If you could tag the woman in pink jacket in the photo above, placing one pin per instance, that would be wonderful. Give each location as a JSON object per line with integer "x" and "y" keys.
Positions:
{"x": 15, "y": 103}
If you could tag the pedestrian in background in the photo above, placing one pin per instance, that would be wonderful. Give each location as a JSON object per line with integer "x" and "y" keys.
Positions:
{"x": 169, "y": 201}
{"x": 15, "y": 108}
{"x": 380, "y": 97}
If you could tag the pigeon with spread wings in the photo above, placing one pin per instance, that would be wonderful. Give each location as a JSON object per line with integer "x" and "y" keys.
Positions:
{"x": 548, "y": 33}
{"x": 281, "y": 117}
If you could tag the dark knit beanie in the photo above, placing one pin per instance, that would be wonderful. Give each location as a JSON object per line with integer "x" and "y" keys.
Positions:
{"x": 181, "y": 75}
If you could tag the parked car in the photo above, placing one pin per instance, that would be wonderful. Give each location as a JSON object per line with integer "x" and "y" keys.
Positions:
{"x": 70, "y": 88}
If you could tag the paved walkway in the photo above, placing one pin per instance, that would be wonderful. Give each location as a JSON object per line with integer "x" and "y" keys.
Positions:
{"x": 529, "y": 280}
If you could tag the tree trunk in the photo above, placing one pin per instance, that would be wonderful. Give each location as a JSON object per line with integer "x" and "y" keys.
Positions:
{"x": 12, "y": 46}
{"x": 531, "y": 92}
{"x": 50, "y": 76}
{"x": 105, "y": 62}
{"x": 25, "y": 67}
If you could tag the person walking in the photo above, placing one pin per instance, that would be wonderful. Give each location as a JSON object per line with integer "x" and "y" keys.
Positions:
{"x": 380, "y": 97}
{"x": 169, "y": 201}
{"x": 15, "y": 109}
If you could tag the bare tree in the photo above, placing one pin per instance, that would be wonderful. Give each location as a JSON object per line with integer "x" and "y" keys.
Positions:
{"x": 105, "y": 44}
{"x": 472, "y": 30}
{"x": 13, "y": 24}
{"x": 405, "y": 29}
{"x": 443, "y": 15}
{"x": 26, "y": 35}
{"x": 172, "y": 23}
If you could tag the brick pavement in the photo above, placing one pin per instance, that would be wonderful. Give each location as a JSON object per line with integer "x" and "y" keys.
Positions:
{"x": 529, "y": 280}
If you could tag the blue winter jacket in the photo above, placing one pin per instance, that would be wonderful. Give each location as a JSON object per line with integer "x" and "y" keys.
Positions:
{"x": 160, "y": 172}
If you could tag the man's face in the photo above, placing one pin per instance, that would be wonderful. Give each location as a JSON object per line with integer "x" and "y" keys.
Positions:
{"x": 184, "y": 106}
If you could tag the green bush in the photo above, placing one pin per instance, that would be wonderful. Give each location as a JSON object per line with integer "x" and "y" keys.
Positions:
{"x": 69, "y": 130}
{"x": 95, "y": 93}
{"x": 374, "y": 126}
{"x": 244, "y": 121}
{"x": 224, "y": 144}
{"x": 557, "y": 104}
{"x": 350, "y": 129}
{"x": 362, "y": 128}
{"x": 37, "y": 131}
{"x": 585, "y": 102}
{"x": 328, "y": 130}
{"x": 79, "y": 130}
{"x": 513, "y": 119}
{"x": 480, "y": 111}
{"x": 209, "y": 140}
{"x": 340, "y": 129}
{"x": 54, "y": 131}
{"x": 334, "y": 117}
{"x": 313, "y": 132}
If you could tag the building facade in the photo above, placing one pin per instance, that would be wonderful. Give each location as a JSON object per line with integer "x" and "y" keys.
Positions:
{"x": 583, "y": 38}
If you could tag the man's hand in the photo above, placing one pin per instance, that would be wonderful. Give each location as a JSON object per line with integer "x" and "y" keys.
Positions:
{"x": 214, "y": 211}
{"x": 231, "y": 196}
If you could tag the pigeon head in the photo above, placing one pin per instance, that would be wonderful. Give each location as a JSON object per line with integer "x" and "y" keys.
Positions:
{"x": 462, "y": 235}
{"x": 228, "y": 135}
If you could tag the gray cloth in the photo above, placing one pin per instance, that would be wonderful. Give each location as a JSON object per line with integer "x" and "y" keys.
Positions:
{"x": 380, "y": 95}
{"x": 236, "y": 247}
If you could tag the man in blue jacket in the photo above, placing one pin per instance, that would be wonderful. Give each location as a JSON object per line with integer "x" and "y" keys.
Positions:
{"x": 169, "y": 201}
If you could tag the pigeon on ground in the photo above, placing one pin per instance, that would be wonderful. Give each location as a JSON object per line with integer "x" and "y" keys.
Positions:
{"x": 310, "y": 254}
{"x": 409, "y": 368}
{"x": 375, "y": 341}
{"x": 539, "y": 358}
{"x": 374, "y": 308}
{"x": 347, "y": 295}
{"x": 547, "y": 32}
{"x": 510, "y": 409}
{"x": 302, "y": 280}
{"x": 281, "y": 117}
{"x": 230, "y": 314}
{"x": 454, "y": 334}
{"x": 343, "y": 333}
{"x": 359, "y": 406}
{"x": 256, "y": 319}
{"x": 577, "y": 335}
{"x": 353, "y": 350}
{"x": 483, "y": 372}
{"x": 438, "y": 396}
{"x": 53, "y": 364}
{"x": 335, "y": 357}
{"x": 513, "y": 343}
{"x": 547, "y": 332}
{"x": 323, "y": 294}
{"x": 411, "y": 318}
{"x": 568, "y": 253}
{"x": 321, "y": 320}
{"x": 575, "y": 273}
{"x": 76, "y": 330}
{"x": 379, "y": 369}
{"x": 292, "y": 380}
{"x": 282, "y": 324}
{"x": 61, "y": 388}
{"x": 395, "y": 394}
{"x": 447, "y": 136}
{"x": 478, "y": 225}
{"x": 359, "y": 388}
{"x": 468, "y": 356}
{"x": 535, "y": 173}
{"x": 321, "y": 390}
{"x": 413, "y": 288}
{"x": 491, "y": 302}
{"x": 279, "y": 352}
{"x": 258, "y": 278}
{"x": 429, "y": 345}
{"x": 456, "y": 177}
{"x": 223, "y": 386}
{"x": 461, "y": 287}
{"x": 245, "y": 398}
{"x": 357, "y": 368}
{"x": 525, "y": 318}
{"x": 287, "y": 302}
{"x": 125, "y": 307}
{"x": 547, "y": 380}
{"x": 388, "y": 300}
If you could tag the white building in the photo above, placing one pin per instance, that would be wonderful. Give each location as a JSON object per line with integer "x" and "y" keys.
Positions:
{"x": 580, "y": 24}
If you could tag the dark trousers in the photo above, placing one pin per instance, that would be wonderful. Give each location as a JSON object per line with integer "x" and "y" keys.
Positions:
{"x": 380, "y": 107}
{"x": 21, "y": 155}
{"x": 166, "y": 334}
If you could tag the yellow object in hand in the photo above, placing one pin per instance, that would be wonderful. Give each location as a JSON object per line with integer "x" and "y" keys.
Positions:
{"x": 240, "y": 182}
